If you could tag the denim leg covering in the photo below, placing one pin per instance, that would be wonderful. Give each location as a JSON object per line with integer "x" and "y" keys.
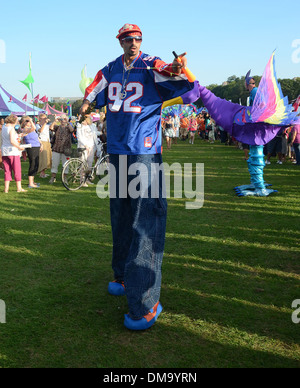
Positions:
{"x": 138, "y": 229}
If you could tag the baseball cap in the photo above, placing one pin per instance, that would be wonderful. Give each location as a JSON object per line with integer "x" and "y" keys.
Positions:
{"x": 129, "y": 29}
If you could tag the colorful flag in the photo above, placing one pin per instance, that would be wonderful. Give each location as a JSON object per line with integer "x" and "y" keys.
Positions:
{"x": 85, "y": 81}
{"x": 69, "y": 109}
{"x": 296, "y": 104}
{"x": 29, "y": 79}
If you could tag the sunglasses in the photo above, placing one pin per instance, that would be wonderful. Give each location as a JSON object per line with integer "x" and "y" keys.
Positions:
{"x": 129, "y": 39}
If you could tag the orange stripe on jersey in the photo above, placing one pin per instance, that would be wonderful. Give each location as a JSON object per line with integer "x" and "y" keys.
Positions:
{"x": 164, "y": 68}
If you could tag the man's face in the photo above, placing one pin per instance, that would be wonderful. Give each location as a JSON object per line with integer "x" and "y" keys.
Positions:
{"x": 251, "y": 85}
{"x": 131, "y": 45}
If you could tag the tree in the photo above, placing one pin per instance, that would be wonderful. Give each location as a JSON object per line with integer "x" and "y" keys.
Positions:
{"x": 290, "y": 88}
{"x": 232, "y": 78}
{"x": 76, "y": 106}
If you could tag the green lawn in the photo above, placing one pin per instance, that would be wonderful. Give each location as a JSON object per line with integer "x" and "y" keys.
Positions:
{"x": 230, "y": 275}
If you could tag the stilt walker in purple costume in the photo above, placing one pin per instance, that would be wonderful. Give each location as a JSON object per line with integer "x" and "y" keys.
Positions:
{"x": 256, "y": 125}
{"x": 256, "y": 161}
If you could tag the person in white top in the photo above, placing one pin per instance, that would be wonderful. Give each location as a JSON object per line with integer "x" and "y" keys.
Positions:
{"x": 87, "y": 139}
{"x": 101, "y": 124}
{"x": 45, "y": 160}
{"x": 11, "y": 152}
{"x": 177, "y": 126}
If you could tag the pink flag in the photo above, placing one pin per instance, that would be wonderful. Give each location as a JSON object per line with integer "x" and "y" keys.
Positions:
{"x": 44, "y": 99}
{"x": 36, "y": 98}
{"x": 24, "y": 98}
{"x": 296, "y": 104}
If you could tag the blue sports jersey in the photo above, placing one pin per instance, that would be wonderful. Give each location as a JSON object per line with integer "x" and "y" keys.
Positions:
{"x": 136, "y": 128}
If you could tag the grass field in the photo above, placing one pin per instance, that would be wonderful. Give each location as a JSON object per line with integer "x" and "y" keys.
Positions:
{"x": 230, "y": 274}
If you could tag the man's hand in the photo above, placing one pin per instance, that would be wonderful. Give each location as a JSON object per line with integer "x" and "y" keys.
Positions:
{"x": 84, "y": 107}
{"x": 179, "y": 63}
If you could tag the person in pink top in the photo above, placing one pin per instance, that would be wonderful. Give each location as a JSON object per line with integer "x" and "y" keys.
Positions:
{"x": 1, "y": 124}
{"x": 296, "y": 142}
{"x": 11, "y": 151}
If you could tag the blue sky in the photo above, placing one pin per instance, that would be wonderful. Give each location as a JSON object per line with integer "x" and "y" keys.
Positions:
{"x": 221, "y": 38}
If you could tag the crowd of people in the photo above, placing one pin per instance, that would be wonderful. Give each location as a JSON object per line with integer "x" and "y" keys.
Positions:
{"x": 187, "y": 127}
{"x": 46, "y": 145}
{"x": 285, "y": 146}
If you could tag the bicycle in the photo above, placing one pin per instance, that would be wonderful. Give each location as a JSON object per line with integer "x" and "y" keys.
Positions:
{"x": 76, "y": 171}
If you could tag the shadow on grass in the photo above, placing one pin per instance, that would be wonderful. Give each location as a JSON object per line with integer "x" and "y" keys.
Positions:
{"x": 230, "y": 274}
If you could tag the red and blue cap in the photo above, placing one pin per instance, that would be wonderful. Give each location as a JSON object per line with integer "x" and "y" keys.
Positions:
{"x": 129, "y": 30}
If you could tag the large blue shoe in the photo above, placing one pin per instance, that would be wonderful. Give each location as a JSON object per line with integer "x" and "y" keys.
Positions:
{"x": 146, "y": 322}
{"x": 116, "y": 288}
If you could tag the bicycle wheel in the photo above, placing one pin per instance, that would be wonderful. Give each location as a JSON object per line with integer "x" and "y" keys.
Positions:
{"x": 102, "y": 166}
{"x": 74, "y": 174}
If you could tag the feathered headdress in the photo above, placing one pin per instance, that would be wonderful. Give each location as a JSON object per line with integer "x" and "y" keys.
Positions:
{"x": 248, "y": 78}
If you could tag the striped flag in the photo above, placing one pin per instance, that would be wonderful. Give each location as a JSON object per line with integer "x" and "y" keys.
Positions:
{"x": 69, "y": 108}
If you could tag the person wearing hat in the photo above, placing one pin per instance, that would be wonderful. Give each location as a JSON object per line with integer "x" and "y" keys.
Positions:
{"x": 133, "y": 87}
{"x": 255, "y": 161}
{"x": 250, "y": 86}
{"x": 275, "y": 145}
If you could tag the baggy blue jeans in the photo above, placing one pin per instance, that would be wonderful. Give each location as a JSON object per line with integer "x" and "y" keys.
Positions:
{"x": 297, "y": 152}
{"x": 138, "y": 229}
